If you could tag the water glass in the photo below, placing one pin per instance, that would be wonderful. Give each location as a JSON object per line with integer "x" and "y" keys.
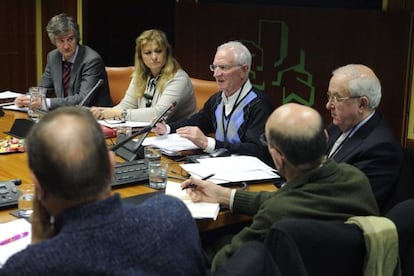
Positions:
{"x": 152, "y": 154}
{"x": 158, "y": 174}
{"x": 25, "y": 201}
{"x": 124, "y": 131}
{"x": 37, "y": 105}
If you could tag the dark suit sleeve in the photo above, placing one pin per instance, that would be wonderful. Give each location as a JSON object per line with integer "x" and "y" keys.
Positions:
{"x": 381, "y": 165}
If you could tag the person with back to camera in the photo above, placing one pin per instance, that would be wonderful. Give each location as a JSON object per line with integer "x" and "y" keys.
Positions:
{"x": 316, "y": 187}
{"x": 358, "y": 134}
{"x": 236, "y": 115}
{"x": 157, "y": 82}
{"x": 78, "y": 227}
{"x": 84, "y": 65}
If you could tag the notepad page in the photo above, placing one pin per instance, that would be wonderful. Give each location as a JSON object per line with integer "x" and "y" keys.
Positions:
{"x": 11, "y": 229}
{"x": 198, "y": 210}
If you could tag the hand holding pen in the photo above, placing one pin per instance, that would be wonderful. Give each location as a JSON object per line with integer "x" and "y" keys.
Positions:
{"x": 206, "y": 191}
{"x": 192, "y": 185}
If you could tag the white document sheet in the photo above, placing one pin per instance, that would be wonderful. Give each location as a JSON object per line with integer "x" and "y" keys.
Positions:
{"x": 15, "y": 108}
{"x": 235, "y": 168}
{"x": 170, "y": 143}
{"x": 9, "y": 95}
{"x": 197, "y": 209}
{"x": 117, "y": 123}
{"x": 14, "y": 237}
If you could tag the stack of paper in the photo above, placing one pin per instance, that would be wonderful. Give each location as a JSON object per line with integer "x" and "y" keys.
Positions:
{"x": 118, "y": 123}
{"x": 14, "y": 237}
{"x": 7, "y": 98}
{"x": 170, "y": 144}
{"x": 9, "y": 95}
{"x": 235, "y": 168}
{"x": 197, "y": 209}
{"x": 15, "y": 107}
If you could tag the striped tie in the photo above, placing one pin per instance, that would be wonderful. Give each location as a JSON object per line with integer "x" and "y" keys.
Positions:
{"x": 66, "y": 77}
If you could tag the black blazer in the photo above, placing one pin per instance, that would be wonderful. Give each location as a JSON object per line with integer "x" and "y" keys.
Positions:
{"x": 373, "y": 149}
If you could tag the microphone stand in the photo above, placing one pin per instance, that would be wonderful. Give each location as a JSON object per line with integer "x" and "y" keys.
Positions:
{"x": 144, "y": 132}
{"x": 133, "y": 135}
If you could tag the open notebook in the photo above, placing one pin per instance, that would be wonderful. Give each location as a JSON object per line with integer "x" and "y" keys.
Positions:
{"x": 197, "y": 209}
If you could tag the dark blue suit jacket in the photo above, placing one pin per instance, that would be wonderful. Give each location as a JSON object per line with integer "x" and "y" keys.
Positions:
{"x": 374, "y": 150}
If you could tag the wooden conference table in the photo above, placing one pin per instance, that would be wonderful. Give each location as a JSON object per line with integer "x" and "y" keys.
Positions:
{"x": 14, "y": 166}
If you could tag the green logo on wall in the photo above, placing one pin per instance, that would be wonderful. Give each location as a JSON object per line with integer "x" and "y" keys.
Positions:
{"x": 275, "y": 69}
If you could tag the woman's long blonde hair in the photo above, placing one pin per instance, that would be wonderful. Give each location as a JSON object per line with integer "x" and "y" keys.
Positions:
{"x": 142, "y": 72}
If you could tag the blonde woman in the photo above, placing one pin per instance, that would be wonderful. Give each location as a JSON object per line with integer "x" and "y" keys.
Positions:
{"x": 157, "y": 81}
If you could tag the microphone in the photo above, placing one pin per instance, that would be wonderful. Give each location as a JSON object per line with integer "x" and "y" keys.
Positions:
{"x": 145, "y": 129}
{"x": 162, "y": 116}
{"x": 91, "y": 92}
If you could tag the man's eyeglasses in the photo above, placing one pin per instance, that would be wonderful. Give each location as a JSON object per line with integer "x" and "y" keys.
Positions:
{"x": 223, "y": 68}
{"x": 335, "y": 99}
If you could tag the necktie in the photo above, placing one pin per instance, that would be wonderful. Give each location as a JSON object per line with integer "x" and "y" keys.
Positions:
{"x": 66, "y": 77}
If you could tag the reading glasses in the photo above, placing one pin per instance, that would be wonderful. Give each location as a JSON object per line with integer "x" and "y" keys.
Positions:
{"x": 336, "y": 99}
{"x": 223, "y": 68}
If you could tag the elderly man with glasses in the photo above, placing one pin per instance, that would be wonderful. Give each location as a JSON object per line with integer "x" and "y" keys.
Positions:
{"x": 359, "y": 135}
{"x": 235, "y": 115}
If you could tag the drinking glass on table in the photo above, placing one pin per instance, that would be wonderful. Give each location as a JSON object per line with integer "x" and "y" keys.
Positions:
{"x": 152, "y": 154}
{"x": 25, "y": 201}
{"x": 37, "y": 105}
{"x": 158, "y": 174}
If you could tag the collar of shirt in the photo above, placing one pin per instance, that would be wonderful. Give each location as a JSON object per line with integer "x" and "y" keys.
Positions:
{"x": 73, "y": 58}
{"x": 360, "y": 124}
{"x": 229, "y": 102}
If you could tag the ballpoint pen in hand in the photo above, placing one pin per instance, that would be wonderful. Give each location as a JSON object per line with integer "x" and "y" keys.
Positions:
{"x": 191, "y": 185}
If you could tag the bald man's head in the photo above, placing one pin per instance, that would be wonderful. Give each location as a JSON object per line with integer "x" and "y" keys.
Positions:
{"x": 68, "y": 155}
{"x": 297, "y": 131}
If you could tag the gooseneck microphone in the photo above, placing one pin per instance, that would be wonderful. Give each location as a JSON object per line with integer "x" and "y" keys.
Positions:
{"x": 91, "y": 92}
{"x": 145, "y": 129}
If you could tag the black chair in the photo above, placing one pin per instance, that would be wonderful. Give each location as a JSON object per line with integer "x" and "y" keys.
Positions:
{"x": 402, "y": 215}
{"x": 404, "y": 188}
{"x": 303, "y": 247}
{"x": 251, "y": 259}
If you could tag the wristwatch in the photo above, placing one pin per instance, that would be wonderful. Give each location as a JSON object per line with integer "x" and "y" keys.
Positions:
{"x": 124, "y": 114}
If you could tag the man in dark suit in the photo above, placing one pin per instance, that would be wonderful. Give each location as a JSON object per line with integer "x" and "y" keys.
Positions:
{"x": 359, "y": 135}
{"x": 72, "y": 69}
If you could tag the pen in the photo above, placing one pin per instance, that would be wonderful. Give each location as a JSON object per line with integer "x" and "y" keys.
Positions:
{"x": 192, "y": 185}
{"x": 14, "y": 238}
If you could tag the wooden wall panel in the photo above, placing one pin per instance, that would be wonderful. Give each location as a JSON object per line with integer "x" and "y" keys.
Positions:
{"x": 17, "y": 47}
{"x": 51, "y": 8}
{"x": 112, "y": 28}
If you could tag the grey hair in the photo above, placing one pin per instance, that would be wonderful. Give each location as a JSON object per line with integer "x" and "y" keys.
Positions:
{"x": 62, "y": 24}
{"x": 242, "y": 55}
{"x": 362, "y": 81}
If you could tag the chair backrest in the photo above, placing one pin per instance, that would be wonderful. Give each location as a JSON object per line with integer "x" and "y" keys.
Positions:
{"x": 203, "y": 90}
{"x": 313, "y": 247}
{"x": 118, "y": 80}
{"x": 402, "y": 214}
{"x": 404, "y": 187}
{"x": 252, "y": 259}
